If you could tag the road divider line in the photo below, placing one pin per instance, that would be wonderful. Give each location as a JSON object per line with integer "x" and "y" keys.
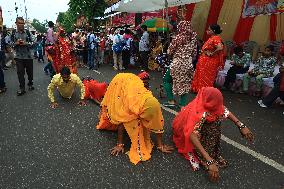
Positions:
{"x": 97, "y": 71}
{"x": 243, "y": 148}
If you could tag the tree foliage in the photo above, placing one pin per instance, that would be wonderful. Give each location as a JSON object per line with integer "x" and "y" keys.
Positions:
{"x": 41, "y": 27}
{"x": 66, "y": 20}
{"x": 88, "y": 8}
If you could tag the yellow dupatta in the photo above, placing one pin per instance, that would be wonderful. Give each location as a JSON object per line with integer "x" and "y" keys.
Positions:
{"x": 128, "y": 102}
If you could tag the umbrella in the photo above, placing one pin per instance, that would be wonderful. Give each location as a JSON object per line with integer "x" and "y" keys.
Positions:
{"x": 157, "y": 25}
{"x": 139, "y": 6}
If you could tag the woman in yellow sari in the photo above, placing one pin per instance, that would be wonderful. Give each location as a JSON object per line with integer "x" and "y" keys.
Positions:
{"x": 128, "y": 105}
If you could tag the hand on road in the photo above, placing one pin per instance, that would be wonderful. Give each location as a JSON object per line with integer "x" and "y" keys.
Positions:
{"x": 54, "y": 105}
{"x": 213, "y": 173}
{"x": 117, "y": 149}
{"x": 165, "y": 148}
{"x": 247, "y": 134}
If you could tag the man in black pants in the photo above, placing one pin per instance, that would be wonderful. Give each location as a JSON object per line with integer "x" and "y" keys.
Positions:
{"x": 241, "y": 62}
{"x": 277, "y": 91}
{"x": 22, "y": 42}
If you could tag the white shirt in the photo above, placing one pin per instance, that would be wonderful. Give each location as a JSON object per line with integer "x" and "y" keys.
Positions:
{"x": 144, "y": 42}
{"x": 117, "y": 38}
{"x": 91, "y": 40}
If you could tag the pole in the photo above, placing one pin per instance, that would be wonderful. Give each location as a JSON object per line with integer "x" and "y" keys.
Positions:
{"x": 26, "y": 15}
{"x": 167, "y": 12}
{"x": 167, "y": 17}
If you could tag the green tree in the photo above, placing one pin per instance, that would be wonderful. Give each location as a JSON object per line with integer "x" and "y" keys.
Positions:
{"x": 39, "y": 26}
{"x": 66, "y": 20}
{"x": 88, "y": 8}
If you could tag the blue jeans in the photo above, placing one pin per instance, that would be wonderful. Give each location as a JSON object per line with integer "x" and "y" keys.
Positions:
{"x": 48, "y": 68}
{"x": 91, "y": 58}
{"x": 40, "y": 55}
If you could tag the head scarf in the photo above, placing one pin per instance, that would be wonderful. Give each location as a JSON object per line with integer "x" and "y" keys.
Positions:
{"x": 94, "y": 89}
{"x": 185, "y": 36}
{"x": 185, "y": 31}
{"x": 208, "y": 103}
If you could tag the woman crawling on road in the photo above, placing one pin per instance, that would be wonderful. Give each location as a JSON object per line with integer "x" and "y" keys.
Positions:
{"x": 128, "y": 105}
{"x": 197, "y": 131}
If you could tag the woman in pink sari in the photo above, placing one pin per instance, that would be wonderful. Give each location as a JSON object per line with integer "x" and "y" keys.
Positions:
{"x": 210, "y": 61}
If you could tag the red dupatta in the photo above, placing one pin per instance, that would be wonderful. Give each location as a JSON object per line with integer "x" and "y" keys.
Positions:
{"x": 208, "y": 103}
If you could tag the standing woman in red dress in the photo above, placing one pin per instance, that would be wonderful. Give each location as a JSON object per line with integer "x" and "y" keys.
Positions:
{"x": 210, "y": 61}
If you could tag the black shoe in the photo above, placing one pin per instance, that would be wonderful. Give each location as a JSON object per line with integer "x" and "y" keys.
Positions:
{"x": 31, "y": 88}
{"x": 3, "y": 90}
{"x": 21, "y": 92}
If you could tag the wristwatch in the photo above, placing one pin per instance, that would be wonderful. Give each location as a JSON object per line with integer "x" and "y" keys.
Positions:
{"x": 240, "y": 125}
{"x": 208, "y": 163}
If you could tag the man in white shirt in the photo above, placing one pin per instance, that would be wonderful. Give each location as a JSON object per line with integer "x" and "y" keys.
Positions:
{"x": 144, "y": 47}
{"x": 91, "y": 44}
{"x": 117, "y": 50}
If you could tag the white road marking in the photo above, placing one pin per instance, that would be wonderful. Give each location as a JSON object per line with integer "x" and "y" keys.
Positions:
{"x": 97, "y": 72}
{"x": 243, "y": 148}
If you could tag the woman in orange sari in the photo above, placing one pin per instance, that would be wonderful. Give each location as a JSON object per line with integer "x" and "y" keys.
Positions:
{"x": 197, "y": 131}
{"x": 210, "y": 61}
{"x": 128, "y": 105}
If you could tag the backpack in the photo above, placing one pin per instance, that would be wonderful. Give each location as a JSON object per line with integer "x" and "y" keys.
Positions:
{"x": 117, "y": 47}
{"x": 89, "y": 43}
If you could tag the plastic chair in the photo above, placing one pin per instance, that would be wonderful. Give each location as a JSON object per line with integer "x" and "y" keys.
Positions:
{"x": 230, "y": 45}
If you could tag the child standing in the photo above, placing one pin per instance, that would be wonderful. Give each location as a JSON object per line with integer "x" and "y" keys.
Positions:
{"x": 39, "y": 48}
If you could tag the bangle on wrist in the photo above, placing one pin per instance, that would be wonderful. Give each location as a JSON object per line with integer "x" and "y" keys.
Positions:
{"x": 208, "y": 163}
{"x": 241, "y": 125}
{"x": 120, "y": 145}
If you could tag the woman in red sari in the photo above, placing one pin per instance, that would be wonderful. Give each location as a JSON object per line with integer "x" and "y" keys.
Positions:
{"x": 64, "y": 54}
{"x": 197, "y": 131}
{"x": 210, "y": 61}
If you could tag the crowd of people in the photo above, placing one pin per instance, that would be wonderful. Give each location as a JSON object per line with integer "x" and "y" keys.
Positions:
{"x": 127, "y": 104}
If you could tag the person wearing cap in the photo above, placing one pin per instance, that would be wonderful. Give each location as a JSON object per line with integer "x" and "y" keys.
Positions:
{"x": 211, "y": 60}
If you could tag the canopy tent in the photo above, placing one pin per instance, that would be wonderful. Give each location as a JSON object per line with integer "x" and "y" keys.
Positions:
{"x": 140, "y": 6}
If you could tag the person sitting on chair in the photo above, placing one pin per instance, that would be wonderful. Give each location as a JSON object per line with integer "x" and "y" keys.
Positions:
{"x": 241, "y": 62}
{"x": 264, "y": 68}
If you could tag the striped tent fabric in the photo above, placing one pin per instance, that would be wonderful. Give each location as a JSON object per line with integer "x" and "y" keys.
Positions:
{"x": 261, "y": 29}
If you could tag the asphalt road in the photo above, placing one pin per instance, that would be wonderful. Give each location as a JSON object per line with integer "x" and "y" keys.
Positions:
{"x": 45, "y": 148}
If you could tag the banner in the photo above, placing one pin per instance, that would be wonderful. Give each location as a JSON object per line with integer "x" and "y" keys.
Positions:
{"x": 280, "y": 5}
{"x": 261, "y": 7}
